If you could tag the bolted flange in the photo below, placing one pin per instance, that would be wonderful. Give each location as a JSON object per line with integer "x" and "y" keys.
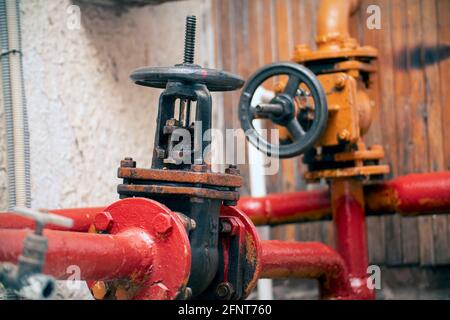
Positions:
{"x": 167, "y": 239}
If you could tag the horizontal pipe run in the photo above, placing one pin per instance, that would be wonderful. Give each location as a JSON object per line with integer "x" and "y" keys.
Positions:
{"x": 279, "y": 208}
{"x": 315, "y": 260}
{"x": 98, "y": 256}
{"x": 413, "y": 194}
{"x": 82, "y": 218}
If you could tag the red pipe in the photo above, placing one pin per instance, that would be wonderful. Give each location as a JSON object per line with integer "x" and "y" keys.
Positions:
{"x": 82, "y": 218}
{"x": 281, "y": 259}
{"x": 350, "y": 232}
{"x": 99, "y": 257}
{"x": 413, "y": 194}
{"x": 287, "y": 207}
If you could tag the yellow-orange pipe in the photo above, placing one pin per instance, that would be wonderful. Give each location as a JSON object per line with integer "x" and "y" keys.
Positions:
{"x": 333, "y": 21}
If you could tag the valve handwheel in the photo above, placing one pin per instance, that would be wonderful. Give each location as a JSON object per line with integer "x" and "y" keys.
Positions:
{"x": 187, "y": 72}
{"x": 283, "y": 109}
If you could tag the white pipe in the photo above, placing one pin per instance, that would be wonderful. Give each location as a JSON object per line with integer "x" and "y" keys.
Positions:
{"x": 258, "y": 186}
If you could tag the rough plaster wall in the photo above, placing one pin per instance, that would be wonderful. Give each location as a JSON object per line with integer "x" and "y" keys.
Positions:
{"x": 85, "y": 114}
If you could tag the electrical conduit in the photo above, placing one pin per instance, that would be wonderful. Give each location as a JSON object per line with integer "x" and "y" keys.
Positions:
{"x": 18, "y": 146}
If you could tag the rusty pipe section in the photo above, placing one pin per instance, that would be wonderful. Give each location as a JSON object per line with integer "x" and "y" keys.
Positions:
{"x": 314, "y": 260}
{"x": 413, "y": 194}
{"x": 98, "y": 256}
{"x": 333, "y": 22}
{"x": 279, "y": 208}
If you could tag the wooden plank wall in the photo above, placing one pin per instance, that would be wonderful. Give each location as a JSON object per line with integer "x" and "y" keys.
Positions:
{"x": 411, "y": 91}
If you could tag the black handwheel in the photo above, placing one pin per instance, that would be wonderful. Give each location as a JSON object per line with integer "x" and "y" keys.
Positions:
{"x": 304, "y": 129}
{"x": 215, "y": 80}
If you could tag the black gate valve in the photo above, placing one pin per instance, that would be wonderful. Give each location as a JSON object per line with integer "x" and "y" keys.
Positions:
{"x": 180, "y": 176}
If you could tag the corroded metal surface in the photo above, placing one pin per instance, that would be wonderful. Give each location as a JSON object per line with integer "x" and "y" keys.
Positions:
{"x": 413, "y": 194}
{"x": 209, "y": 178}
{"x": 149, "y": 190}
{"x": 251, "y": 249}
{"x": 363, "y": 171}
{"x": 287, "y": 207}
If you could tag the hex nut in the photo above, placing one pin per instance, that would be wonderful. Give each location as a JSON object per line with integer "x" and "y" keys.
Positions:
{"x": 162, "y": 223}
{"x": 103, "y": 221}
{"x": 128, "y": 163}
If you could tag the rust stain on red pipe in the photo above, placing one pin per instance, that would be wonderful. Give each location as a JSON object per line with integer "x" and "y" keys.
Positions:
{"x": 315, "y": 260}
{"x": 287, "y": 207}
{"x": 99, "y": 256}
{"x": 413, "y": 194}
{"x": 82, "y": 218}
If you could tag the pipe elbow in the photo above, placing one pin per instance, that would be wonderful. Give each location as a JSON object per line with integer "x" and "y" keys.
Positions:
{"x": 314, "y": 260}
{"x": 333, "y": 21}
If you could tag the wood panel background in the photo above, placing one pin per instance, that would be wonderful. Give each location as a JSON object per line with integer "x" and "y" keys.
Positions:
{"x": 411, "y": 90}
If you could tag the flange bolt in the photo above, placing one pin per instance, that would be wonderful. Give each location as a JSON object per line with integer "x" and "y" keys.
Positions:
{"x": 103, "y": 221}
{"x": 225, "y": 291}
{"x": 162, "y": 223}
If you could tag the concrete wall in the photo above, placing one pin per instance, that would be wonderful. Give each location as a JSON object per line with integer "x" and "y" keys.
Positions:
{"x": 85, "y": 114}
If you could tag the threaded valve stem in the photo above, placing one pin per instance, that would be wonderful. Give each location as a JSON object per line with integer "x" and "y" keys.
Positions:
{"x": 189, "y": 39}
